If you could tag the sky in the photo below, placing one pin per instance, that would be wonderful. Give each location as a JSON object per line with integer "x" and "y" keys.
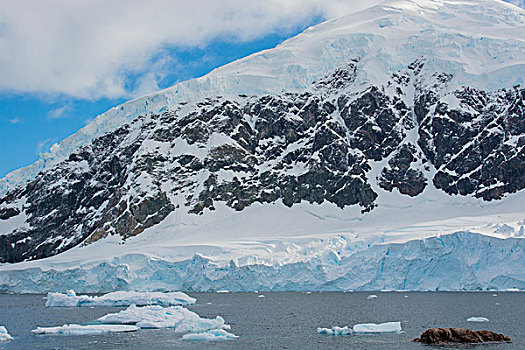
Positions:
{"x": 64, "y": 62}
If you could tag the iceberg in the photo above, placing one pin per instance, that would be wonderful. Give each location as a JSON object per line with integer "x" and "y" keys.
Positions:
{"x": 338, "y": 331}
{"x": 388, "y": 327}
{"x": 75, "y": 329}
{"x": 4, "y": 335}
{"x": 261, "y": 296}
{"x": 477, "y": 319}
{"x": 211, "y": 335}
{"x": 373, "y": 296}
{"x": 119, "y": 299}
{"x": 177, "y": 317}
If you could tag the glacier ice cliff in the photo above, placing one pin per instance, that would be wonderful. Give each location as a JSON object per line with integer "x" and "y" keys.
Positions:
{"x": 460, "y": 261}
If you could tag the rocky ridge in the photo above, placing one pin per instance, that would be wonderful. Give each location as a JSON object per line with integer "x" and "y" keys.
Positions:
{"x": 315, "y": 146}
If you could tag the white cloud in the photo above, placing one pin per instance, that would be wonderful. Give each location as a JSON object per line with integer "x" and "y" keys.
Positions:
{"x": 88, "y": 48}
{"x": 44, "y": 146}
{"x": 14, "y": 120}
{"x": 58, "y": 112}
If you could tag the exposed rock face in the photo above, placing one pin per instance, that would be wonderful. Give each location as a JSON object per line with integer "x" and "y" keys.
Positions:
{"x": 400, "y": 173}
{"x": 436, "y": 336}
{"x": 317, "y": 146}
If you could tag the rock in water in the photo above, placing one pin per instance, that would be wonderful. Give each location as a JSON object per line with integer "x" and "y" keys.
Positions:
{"x": 459, "y": 335}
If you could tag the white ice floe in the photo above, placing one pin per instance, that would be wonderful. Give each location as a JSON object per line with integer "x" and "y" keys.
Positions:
{"x": 372, "y": 296}
{"x": 477, "y": 319}
{"x": 4, "y": 335}
{"x": 75, "y": 329}
{"x": 388, "y": 327}
{"x": 211, "y": 335}
{"x": 119, "y": 299}
{"x": 177, "y": 317}
{"x": 261, "y": 296}
{"x": 335, "y": 330}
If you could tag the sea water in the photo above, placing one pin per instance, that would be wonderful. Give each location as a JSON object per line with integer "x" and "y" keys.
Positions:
{"x": 283, "y": 320}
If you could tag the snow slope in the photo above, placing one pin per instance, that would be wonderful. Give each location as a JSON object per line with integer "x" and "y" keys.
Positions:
{"x": 481, "y": 42}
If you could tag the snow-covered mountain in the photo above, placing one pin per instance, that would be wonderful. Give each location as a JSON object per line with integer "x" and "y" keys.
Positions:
{"x": 320, "y": 164}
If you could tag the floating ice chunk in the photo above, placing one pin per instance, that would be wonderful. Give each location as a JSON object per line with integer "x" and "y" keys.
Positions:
{"x": 477, "y": 319}
{"x": 388, "y": 327}
{"x": 223, "y": 291}
{"x": 211, "y": 335}
{"x": 338, "y": 331}
{"x": 119, "y": 299}
{"x": 261, "y": 296}
{"x": 178, "y": 317}
{"x": 94, "y": 329}
{"x": 4, "y": 335}
{"x": 371, "y": 296}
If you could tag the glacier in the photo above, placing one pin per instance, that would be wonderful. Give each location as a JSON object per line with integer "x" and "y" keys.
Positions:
{"x": 458, "y": 261}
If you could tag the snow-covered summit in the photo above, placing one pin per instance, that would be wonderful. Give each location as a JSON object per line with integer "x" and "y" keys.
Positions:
{"x": 480, "y": 42}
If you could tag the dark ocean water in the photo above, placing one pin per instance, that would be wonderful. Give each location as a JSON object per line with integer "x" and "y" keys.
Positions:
{"x": 283, "y": 320}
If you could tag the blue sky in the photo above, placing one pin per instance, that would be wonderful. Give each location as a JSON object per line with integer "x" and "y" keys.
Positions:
{"x": 63, "y": 63}
{"x": 30, "y": 123}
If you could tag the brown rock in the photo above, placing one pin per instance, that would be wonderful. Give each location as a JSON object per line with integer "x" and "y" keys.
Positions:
{"x": 459, "y": 335}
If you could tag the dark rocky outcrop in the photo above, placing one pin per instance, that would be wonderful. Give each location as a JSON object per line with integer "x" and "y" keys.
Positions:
{"x": 436, "y": 336}
{"x": 400, "y": 173}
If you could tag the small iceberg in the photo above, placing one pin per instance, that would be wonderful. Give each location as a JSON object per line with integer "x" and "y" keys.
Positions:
{"x": 211, "y": 335}
{"x": 337, "y": 331}
{"x": 119, "y": 299}
{"x": 4, "y": 335}
{"x": 75, "y": 329}
{"x": 477, "y": 319}
{"x": 177, "y": 317}
{"x": 388, "y": 327}
{"x": 261, "y": 296}
{"x": 372, "y": 296}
